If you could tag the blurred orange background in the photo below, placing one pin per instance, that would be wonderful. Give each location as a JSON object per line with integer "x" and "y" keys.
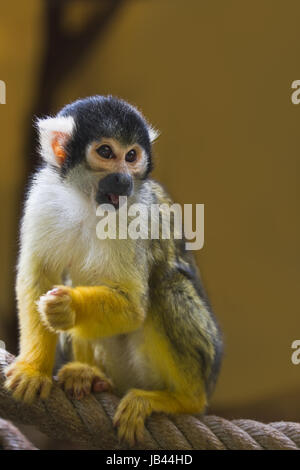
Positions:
{"x": 215, "y": 77}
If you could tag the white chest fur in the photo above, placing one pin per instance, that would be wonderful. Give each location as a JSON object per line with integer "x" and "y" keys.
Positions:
{"x": 60, "y": 223}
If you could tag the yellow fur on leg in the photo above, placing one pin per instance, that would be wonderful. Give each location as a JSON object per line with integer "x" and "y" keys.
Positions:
{"x": 83, "y": 351}
{"x": 78, "y": 380}
{"x": 137, "y": 405}
{"x": 30, "y": 375}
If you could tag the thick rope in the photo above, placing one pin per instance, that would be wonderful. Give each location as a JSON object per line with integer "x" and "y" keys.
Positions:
{"x": 88, "y": 422}
{"x": 12, "y": 439}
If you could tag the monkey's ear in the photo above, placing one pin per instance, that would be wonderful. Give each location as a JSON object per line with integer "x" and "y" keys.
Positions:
{"x": 54, "y": 133}
{"x": 153, "y": 134}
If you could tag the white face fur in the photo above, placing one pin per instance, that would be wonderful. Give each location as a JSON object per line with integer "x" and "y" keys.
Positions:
{"x": 54, "y": 131}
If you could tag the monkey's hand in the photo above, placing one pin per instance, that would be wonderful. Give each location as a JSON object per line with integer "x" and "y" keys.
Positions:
{"x": 26, "y": 382}
{"x": 56, "y": 310}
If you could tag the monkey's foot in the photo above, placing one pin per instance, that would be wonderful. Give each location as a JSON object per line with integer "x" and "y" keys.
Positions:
{"x": 55, "y": 309}
{"x": 130, "y": 417}
{"x": 26, "y": 382}
{"x": 78, "y": 380}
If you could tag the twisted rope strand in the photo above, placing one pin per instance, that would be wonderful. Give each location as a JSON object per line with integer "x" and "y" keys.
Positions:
{"x": 88, "y": 422}
{"x": 12, "y": 439}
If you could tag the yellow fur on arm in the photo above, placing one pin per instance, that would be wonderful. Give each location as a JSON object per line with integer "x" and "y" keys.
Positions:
{"x": 105, "y": 310}
{"x": 83, "y": 351}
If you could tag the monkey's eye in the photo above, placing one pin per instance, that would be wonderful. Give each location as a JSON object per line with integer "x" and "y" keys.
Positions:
{"x": 131, "y": 156}
{"x": 105, "y": 151}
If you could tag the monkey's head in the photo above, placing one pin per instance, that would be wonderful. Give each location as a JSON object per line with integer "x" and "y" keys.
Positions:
{"x": 100, "y": 144}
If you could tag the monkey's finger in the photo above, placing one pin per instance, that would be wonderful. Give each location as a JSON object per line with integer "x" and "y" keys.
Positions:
{"x": 60, "y": 291}
{"x": 121, "y": 410}
{"x": 21, "y": 387}
{"x": 51, "y": 303}
{"x": 72, "y": 388}
{"x": 12, "y": 382}
{"x": 126, "y": 433}
{"x": 80, "y": 387}
{"x": 78, "y": 394}
{"x": 45, "y": 388}
{"x": 139, "y": 430}
{"x": 12, "y": 369}
{"x": 13, "y": 378}
{"x": 100, "y": 385}
{"x": 30, "y": 391}
{"x": 8, "y": 372}
{"x": 56, "y": 291}
{"x": 67, "y": 384}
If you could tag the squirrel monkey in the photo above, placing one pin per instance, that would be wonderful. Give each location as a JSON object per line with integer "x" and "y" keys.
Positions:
{"x": 135, "y": 311}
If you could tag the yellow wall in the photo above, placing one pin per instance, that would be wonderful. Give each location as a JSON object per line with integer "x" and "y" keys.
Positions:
{"x": 215, "y": 78}
{"x": 20, "y": 47}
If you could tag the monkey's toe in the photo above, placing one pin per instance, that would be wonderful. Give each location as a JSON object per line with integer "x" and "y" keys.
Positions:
{"x": 26, "y": 383}
{"x": 79, "y": 380}
{"x": 130, "y": 417}
{"x": 55, "y": 309}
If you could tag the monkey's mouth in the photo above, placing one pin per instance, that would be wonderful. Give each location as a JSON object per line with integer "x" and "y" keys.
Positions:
{"x": 113, "y": 199}
{"x": 112, "y": 186}
{"x": 109, "y": 198}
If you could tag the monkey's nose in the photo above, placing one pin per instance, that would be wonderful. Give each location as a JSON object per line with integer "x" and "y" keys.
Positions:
{"x": 116, "y": 183}
{"x": 122, "y": 179}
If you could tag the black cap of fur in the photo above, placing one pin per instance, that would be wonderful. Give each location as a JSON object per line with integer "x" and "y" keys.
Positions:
{"x": 104, "y": 116}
